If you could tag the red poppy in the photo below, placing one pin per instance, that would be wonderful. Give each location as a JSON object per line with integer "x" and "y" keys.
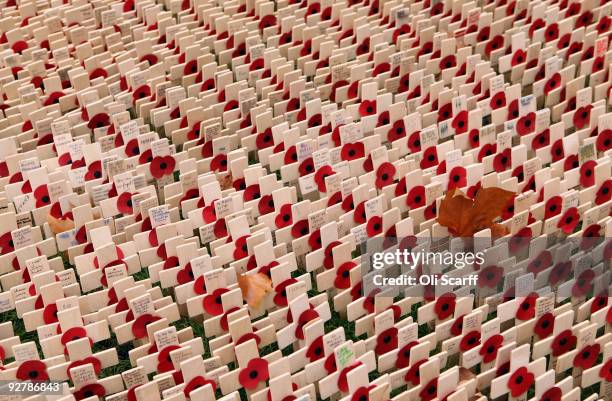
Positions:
{"x": 283, "y": 218}
{"x": 488, "y": 350}
{"x": 196, "y": 383}
{"x": 32, "y": 370}
{"x": 498, "y": 100}
{"x": 307, "y": 316}
{"x": 402, "y": 30}
{"x": 90, "y": 360}
{"x": 141, "y": 92}
{"x": 570, "y": 219}
{"x": 430, "y": 157}
{"x": 398, "y": 131}
{"x": 590, "y": 236}
{"x": 460, "y": 122}
{"x": 445, "y": 306}
{"x": 526, "y": 124}
{"x": 587, "y": 173}
{"x": 265, "y": 205}
{"x": 563, "y": 342}
{"x": 540, "y": 140}
{"x": 502, "y": 160}
{"x": 520, "y": 381}
{"x": 494, "y": 44}
{"x": 519, "y": 57}
{"x": 604, "y": 193}
{"x": 600, "y": 301}
{"x": 164, "y": 362}
{"x": 139, "y": 327}
{"x": 255, "y": 372}
{"x": 526, "y": 309}
{"x": 267, "y": 21}
{"x": 403, "y": 355}
{"x": 386, "y": 341}
{"x": 470, "y": 340}
{"x": 520, "y": 240}
{"x": 384, "y": 175}
{"x": 265, "y": 139}
{"x": 552, "y": 394}
{"x": 449, "y": 61}
{"x": 582, "y": 117}
{"x": 124, "y": 203}
{"x": 315, "y": 350}
{"x": 343, "y": 275}
{"x": 413, "y": 374}
{"x": 445, "y": 112}
{"x": 545, "y": 325}
{"x": 457, "y": 178}
{"x": 606, "y": 370}
{"x": 553, "y": 83}
{"x": 490, "y": 276}
{"x": 430, "y": 390}
{"x": 604, "y": 24}
{"x": 367, "y": 108}
{"x": 161, "y": 166}
{"x": 320, "y": 175}
{"x": 41, "y": 194}
{"x": 414, "y": 142}
{"x": 487, "y": 150}
{"x": 583, "y": 283}
{"x": 586, "y": 358}
{"x": 352, "y": 151}
{"x": 219, "y": 163}
{"x": 604, "y": 140}
{"x": 342, "y": 382}
{"x": 90, "y": 390}
{"x": 212, "y": 302}
{"x": 300, "y": 229}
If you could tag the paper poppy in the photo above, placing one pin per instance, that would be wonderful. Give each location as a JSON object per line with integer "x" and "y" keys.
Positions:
{"x": 429, "y": 390}
{"x": 139, "y": 327}
{"x": 342, "y": 381}
{"x": 526, "y": 124}
{"x": 553, "y": 83}
{"x": 545, "y": 325}
{"x": 487, "y": 150}
{"x": 403, "y": 355}
{"x": 363, "y": 47}
{"x": 398, "y": 131}
{"x": 606, "y": 370}
{"x": 447, "y": 62}
{"x": 582, "y": 117}
{"x": 90, "y": 360}
{"x": 196, "y": 383}
{"x": 386, "y": 341}
{"x": 604, "y": 140}
{"x": 414, "y": 142}
{"x": 457, "y": 178}
{"x": 540, "y": 263}
{"x": 488, "y": 350}
{"x": 552, "y": 394}
{"x": 320, "y": 175}
{"x": 430, "y": 158}
{"x": 498, "y": 100}
{"x": 343, "y": 275}
{"x": 413, "y": 374}
{"x": 264, "y": 139}
{"x": 367, "y": 108}
{"x": 460, "y": 122}
{"x": 431, "y": 211}
{"x": 570, "y": 219}
{"x": 526, "y": 309}
{"x": 219, "y": 163}
{"x": 352, "y": 151}
{"x": 586, "y": 358}
{"x": 315, "y": 350}
{"x": 587, "y": 173}
{"x": 90, "y": 390}
{"x": 583, "y": 284}
{"x": 560, "y": 272}
{"x": 519, "y": 57}
{"x": 604, "y": 24}
{"x": 600, "y": 301}
{"x": 552, "y": 207}
{"x": 300, "y": 229}
{"x": 445, "y": 306}
{"x": 251, "y": 192}
{"x": 445, "y": 112}
{"x": 141, "y": 92}
{"x": 161, "y": 166}
{"x": 255, "y": 372}
{"x": 314, "y": 240}
{"x": 384, "y": 175}
{"x": 470, "y": 340}
{"x": 164, "y": 362}
{"x": 494, "y": 44}
{"x": 212, "y": 302}
{"x": 32, "y": 370}
{"x": 305, "y": 317}
{"x": 41, "y": 194}
{"x": 520, "y": 381}
{"x": 490, "y": 276}
{"x": 590, "y": 236}
{"x": 563, "y": 342}
{"x": 502, "y": 161}
{"x": 604, "y": 193}
{"x": 520, "y": 240}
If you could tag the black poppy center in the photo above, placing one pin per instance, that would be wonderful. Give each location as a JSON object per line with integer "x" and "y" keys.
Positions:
{"x": 431, "y": 389}
{"x": 489, "y": 152}
{"x": 309, "y": 168}
{"x": 244, "y": 248}
{"x": 445, "y": 307}
{"x": 417, "y": 143}
{"x": 431, "y": 158}
{"x": 163, "y": 166}
{"x": 491, "y": 349}
{"x": 318, "y": 351}
{"x": 417, "y": 199}
{"x": 141, "y": 95}
{"x": 472, "y": 341}
{"x": 563, "y": 342}
{"x": 552, "y": 208}
{"x": 461, "y": 123}
{"x": 32, "y": 374}
{"x": 363, "y": 398}
{"x": 519, "y": 380}
{"x": 588, "y": 173}
{"x": 97, "y": 174}
{"x": 351, "y": 153}
{"x": 345, "y": 274}
{"x": 45, "y": 199}
{"x": 370, "y": 109}
{"x": 385, "y": 176}
{"x": 584, "y": 115}
{"x": 525, "y": 306}
{"x": 129, "y": 203}
{"x": 528, "y": 123}
{"x": 456, "y": 178}
{"x": 218, "y": 300}
{"x": 253, "y": 374}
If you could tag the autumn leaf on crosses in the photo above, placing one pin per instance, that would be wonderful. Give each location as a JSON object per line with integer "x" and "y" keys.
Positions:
{"x": 254, "y": 288}
{"x": 463, "y": 216}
